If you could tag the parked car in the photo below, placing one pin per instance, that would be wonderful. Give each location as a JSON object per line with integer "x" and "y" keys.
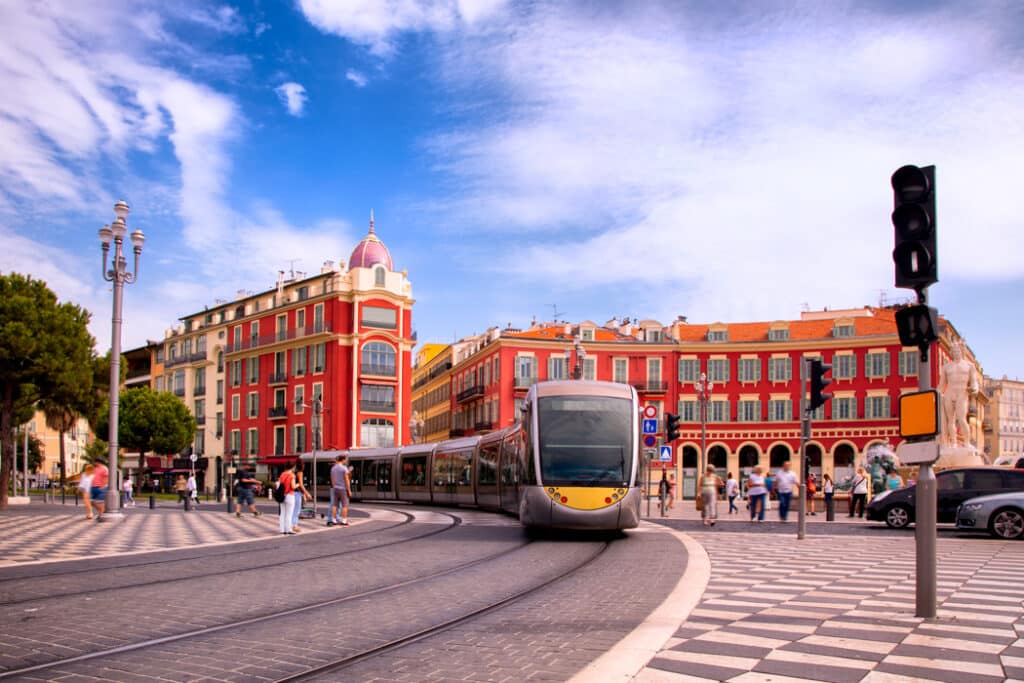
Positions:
{"x": 954, "y": 486}
{"x": 1002, "y": 515}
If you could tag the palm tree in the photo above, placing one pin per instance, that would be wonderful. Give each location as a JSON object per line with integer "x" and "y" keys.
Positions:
{"x": 62, "y": 419}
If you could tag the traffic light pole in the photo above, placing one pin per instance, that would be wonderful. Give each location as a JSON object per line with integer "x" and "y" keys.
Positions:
{"x": 925, "y": 529}
{"x": 805, "y": 436}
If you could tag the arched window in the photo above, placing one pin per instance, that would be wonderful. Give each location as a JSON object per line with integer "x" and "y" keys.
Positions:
{"x": 378, "y": 276}
{"x": 376, "y": 432}
{"x": 378, "y": 358}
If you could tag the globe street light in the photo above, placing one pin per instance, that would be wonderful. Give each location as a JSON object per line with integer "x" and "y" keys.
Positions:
{"x": 119, "y": 275}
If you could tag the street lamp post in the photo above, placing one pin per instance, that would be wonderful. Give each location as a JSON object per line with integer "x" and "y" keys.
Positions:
{"x": 318, "y": 409}
{"x": 117, "y": 274}
{"x": 703, "y": 396}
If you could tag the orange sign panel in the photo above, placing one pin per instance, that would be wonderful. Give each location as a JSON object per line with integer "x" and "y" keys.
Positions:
{"x": 919, "y": 414}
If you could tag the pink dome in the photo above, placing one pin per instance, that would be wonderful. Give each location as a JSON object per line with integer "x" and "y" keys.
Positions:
{"x": 370, "y": 252}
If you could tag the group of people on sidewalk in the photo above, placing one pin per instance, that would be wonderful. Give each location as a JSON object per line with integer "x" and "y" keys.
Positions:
{"x": 290, "y": 493}
{"x": 785, "y": 485}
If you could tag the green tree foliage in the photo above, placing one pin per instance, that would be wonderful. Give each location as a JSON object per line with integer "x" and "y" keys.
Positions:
{"x": 150, "y": 421}
{"x": 44, "y": 345}
{"x": 98, "y": 449}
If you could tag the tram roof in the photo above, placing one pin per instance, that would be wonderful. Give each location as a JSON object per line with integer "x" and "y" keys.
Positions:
{"x": 575, "y": 387}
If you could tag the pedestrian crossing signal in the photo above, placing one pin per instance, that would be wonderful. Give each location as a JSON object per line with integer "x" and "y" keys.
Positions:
{"x": 671, "y": 427}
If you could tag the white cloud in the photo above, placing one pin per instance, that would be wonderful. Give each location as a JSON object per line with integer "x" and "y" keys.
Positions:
{"x": 356, "y": 77}
{"x": 292, "y": 96}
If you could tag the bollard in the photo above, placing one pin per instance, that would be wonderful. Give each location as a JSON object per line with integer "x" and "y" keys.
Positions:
{"x": 152, "y": 501}
{"x": 188, "y": 503}
{"x": 830, "y": 509}
{"x": 228, "y": 499}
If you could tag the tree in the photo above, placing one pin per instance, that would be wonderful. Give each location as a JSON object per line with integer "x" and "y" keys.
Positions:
{"x": 98, "y": 449}
{"x": 150, "y": 421}
{"x": 44, "y": 345}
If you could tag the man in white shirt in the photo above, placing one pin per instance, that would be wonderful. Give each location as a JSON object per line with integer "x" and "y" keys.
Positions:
{"x": 786, "y": 484}
{"x": 126, "y": 488}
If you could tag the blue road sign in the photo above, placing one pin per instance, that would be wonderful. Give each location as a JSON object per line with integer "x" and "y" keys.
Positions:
{"x": 666, "y": 454}
{"x": 650, "y": 425}
{"x": 649, "y": 440}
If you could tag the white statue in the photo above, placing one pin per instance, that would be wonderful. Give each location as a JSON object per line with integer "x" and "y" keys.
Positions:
{"x": 958, "y": 379}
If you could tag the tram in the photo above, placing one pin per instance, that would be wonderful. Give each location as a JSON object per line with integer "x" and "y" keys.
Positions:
{"x": 571, "y": 462}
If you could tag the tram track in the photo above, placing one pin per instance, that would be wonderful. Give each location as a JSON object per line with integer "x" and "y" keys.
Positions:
{"x": 198, "y": 634}
{"x": 149, "y": 582}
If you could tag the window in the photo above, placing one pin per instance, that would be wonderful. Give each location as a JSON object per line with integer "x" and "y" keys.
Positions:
{"x": 201, "y": 345}
{"x": 378, "y": 358}
{"x": 235, "y": 442}
{"x": 252, "y": 442}
{"x": 556, "y": 367}
{"x": 186, "y": 348}
{"x": 280, "y": 365}
{"x": 160, "y": 383}
{"x": 378, "y": 316}
{"x": 254, "y": 333}
{"x": 654, "y": 335}
{"x": 199, "y": 445}
{"x": 279, "y": 400}
{"x": 718, "y": 335}
{"x": 318, "y": 318}
{"x": 236, "y": 373}
{"x": 778, "y": 334}
{"x": 300, "y": 398}
{"x": 908, "y": 363}
{"x": 653, "y": 373}
{"x": 844, "y": 366}
{"x": 237, "y": 338}
{"x": 300, "y": 318}
{"x": 780, "y": 410}
{"x": 748, "y": 411}
{"x": 845, "y": 330}
{"x": 590, "y": 368}
{"x": 620, "y": 370}
{"x": 718, "y": 370}
{"x": 689, "y": 411}
{"x": 877, "y": 364}
{"x": 220, "y": 391}
{"x": 159, "y": 354}
{"x": 378, "y": 276}
{"x": 252, "y": 405}
{"x": 281, "y": 327}
{"x": 377, "y": 433}
{"x": 748, "y": 369}
{"x": 279, "y": 440}
{"x": 200, "y": 381}
{"x": 299, "y": 361}
{"x": 299, "y": 439}
{"x": 497, "y": 367}
{"x": 718, "y": 411}
{"x": 179, "y": 382}
{"x": 220, "y": 359}
{"x": 319, "y": 353}
{"x": 252, "y": 365}
{"x": 780, "y": 369}
{"x": 236, "y": 400}
{"x": 377, "y": 398}
{"x": 844, "y": 408}
{"x": 200, "y": 408}
{"x": 587, "y": 334}
{"x": 877, "y": 407}
{"x": 526, "y": 371}
{"x": 689, "y": 369}
{"x": 172, "y": 352}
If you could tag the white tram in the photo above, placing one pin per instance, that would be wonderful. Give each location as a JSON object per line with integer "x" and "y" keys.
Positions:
{"x": 571, "y": 463}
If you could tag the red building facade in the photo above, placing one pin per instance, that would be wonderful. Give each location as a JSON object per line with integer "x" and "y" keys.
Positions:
{"x": 753, "y": 371}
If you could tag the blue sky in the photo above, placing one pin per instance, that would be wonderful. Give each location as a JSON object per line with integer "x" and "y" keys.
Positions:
{"x": 723, "y": 161}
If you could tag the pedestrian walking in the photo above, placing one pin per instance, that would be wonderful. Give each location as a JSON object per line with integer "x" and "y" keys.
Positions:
{"x": 786, "y": 484}
{"x": 709, "y": 485}
{"x": 98, "y": 490}
{"x": 663, "y": 493}
{"x": 859, "y": 493}
{"x": 810, "y": 489}
{"x": 757, "y": 494}
{"x": 191, "y": 488}
{"x": 341, "y": 489}
{"x": 287, "y": 483}
{"x": 126, "y": 490}
{"x": 85, "y": 489}
{"x": 671, "y": 490}
{"x": 300, "y": 493}
{"x": 244, "y": 485}
{"x": 769, "y": 490}
{"x": 181, "y": 488}
{"x": 732, "y": 489}
{"x": 828, "y": 489}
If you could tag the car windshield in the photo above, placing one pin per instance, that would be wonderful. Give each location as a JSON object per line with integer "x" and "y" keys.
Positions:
{"x": 584, "y": 440}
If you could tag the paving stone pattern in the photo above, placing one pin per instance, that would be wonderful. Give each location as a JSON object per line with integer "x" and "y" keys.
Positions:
{"x": 841, "y": 608}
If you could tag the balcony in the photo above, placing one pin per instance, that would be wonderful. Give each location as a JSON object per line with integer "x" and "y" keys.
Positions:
{"x": 199, "y": 390}
{"x": 220, "y": 400}
{"x": 471, "y": 392}
{"x": 652, "y": 386}
{"x": 278, "y": 378}
{"x": 483, "y": 426}
{"x": 277, "y": 338}
{"x": 524, "y": 382}
{"x": 377, "y": 406}
{"x": 197, "y": 357}
{"x": 277, "y": 411}
{"x": 177, "y": 360}
{"x": 377, "y": 369}
{"x": 452, "y": 433}
{"x": 200, "y": 420}
{"x": 179, "y": 392}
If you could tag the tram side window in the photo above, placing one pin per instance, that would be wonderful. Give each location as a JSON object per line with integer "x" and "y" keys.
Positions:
{"x": 462, "y": 468}
{"x": 355, "y": 469}
{"x": 442, "y": 471}
{"x": 414, "y": 471}
{"x": 383, "y": 475}
{"x": 488, "y": 465}
{"x": 369, "y": 473}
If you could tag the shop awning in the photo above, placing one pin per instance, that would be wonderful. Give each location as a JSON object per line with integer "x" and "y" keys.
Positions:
{"x": 277, "y": 460}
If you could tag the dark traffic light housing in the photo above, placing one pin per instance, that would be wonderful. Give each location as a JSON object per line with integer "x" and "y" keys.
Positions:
{"x": 913, "y": 220}
{"x": 671, "y": 427}
{"x": 818, "y": 384}
{"x": 917, "y": 325}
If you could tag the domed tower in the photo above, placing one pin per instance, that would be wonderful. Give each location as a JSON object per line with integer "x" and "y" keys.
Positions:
{"x": 370, "y": 252}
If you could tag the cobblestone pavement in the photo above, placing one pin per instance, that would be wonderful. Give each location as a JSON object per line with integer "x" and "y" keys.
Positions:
{"x": 840, "y": 607}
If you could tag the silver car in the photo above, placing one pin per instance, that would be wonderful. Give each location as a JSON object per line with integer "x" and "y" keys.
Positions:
{"x": 1001, "y": 514}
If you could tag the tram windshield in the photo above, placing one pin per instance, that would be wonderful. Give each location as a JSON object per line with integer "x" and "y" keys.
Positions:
{"x": 584, "y": 440}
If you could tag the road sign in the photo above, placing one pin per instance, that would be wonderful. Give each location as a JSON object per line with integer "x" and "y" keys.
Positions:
{"x": 650, "y": 426}
{"x": 649, "y": 440}
{"x": 650, "y": 411}
{"x": 193, "y": 457}
{"x": 666, "y": 454}
{"x": 650, "y": 452}
{"x": 920, "y": 453}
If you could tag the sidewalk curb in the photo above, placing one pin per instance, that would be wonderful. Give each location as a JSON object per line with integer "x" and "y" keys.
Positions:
{"x": 627, "y": 658}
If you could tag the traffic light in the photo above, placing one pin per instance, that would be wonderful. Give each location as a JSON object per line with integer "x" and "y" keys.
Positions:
{"x": 818, "y": 384}
{"x": 913, "y": 219}
{"x": 917, "y": 325}
{"x": 671, "y": 427}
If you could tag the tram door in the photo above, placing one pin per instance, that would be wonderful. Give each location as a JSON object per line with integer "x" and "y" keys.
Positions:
{"x": 453, "y": 477}
{"x": 355, "y": 475}
{"x": 385, "y": 489}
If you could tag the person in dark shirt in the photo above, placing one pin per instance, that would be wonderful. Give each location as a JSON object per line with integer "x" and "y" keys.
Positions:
{"x": 244, "y": 483}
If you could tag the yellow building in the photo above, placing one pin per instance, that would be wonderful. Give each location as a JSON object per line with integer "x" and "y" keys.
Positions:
{"x": 75, "y": 441}
{"x": 1004, "y": 421}
{"x": 431, "y": 393}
